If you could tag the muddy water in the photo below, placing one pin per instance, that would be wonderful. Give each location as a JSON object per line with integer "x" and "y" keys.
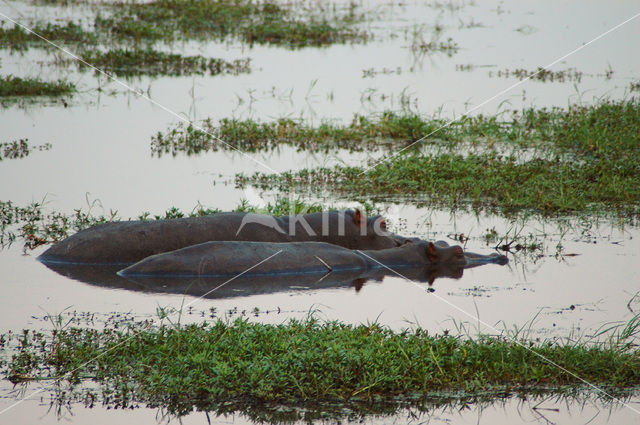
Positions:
{"x": 101, "y": 152}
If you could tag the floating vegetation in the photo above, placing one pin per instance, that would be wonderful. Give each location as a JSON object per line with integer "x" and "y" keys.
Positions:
{"x": 18, "y": 38}
{"x": 420, "y": 46}
{"x": 16, "y": 86}
{"x": 166, "y": 20}
{"x": 541, "y": 74}
{"x": 448, "y": 46}
{"x": 262, "y": 23}
{"x": 372, "y": 72}
{"x": 583, "y": 159}
{"x": 19, "y": 149}
{"x": 363, "y": 133}
{"x": 125, "y": 62}
{"x": 209, "y": 365}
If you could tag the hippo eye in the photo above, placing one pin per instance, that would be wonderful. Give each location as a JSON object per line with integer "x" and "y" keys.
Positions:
{"x": 383, "y": 224}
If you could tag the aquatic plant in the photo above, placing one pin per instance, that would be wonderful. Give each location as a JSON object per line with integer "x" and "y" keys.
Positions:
{"x": 132, "y": 62}
{"x": 16, "y": 86}
{"x": 209, "y": 364}
{"x": 583, "y": 159}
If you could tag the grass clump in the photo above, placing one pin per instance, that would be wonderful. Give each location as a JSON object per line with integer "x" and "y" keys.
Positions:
{"x": 135, "y": 23}
{"x": 125, "y": 62}
{"x": 18, "y": 38}
{"x": 19, "y": 149}
{"x": 16, "y": 86}
{"x": 263, "y": 23}
{"x": 363, "y": 133}
{"x": 583, "y": 159}
{"x": 542, "y": 75}
{"x": 182, "y": 367}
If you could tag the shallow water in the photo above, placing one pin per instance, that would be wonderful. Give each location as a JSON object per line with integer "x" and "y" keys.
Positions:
{"x": 101, "y": 151}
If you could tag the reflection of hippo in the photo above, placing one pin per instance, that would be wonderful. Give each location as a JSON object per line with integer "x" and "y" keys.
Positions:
{"x": 268, "y": 258}
{"x": 219, "y": 287}
{"x": 126, "y": 242}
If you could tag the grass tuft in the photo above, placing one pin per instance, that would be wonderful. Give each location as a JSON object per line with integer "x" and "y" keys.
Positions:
{"x": 182, "y": 367}
{"x": 133, "y": 62}
{"x": 16, "y": 86}
{"x": 583, "y": 159}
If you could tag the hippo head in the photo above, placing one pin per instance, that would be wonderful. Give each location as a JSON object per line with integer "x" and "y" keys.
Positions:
{"x": 441, "y": 252}
{"x": 371, "y": 232}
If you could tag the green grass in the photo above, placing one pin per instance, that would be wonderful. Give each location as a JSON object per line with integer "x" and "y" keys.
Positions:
{"x": 209, "y": 365}
{"x": 252, "y": 22}
{"x": 133, "y": 62}
{"x": 583, "y": 159}
{"x": 134, "y": 23}
{"x": 16, "y": 86}
{"x": 363, "y": 133}
{"x": 20, "y": 39}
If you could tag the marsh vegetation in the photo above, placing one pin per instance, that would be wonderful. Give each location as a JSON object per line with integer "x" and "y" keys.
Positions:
{"x": 228, "y": 363}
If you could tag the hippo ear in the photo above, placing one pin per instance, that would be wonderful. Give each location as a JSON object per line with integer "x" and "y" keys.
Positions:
{"x": 357, "y": 217}
{"x": 432, "y": 253}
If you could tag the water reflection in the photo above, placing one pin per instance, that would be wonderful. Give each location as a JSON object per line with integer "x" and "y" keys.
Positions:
{"x": 527, "y": 406}
{"x": 225, "y": 287}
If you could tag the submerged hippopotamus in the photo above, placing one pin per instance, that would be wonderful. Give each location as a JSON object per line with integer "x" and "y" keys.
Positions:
{"x": 127, "y": 242}
{"x": 268, "y": 258}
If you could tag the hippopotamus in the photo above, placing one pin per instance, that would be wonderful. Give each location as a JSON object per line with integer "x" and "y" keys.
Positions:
{"x": 126, "y": 242}
{"x": 234, "y": 258}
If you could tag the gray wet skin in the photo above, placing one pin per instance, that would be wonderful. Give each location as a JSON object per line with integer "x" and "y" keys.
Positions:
{"x": 127, "y": 242}
{"x": 265, "y": 258}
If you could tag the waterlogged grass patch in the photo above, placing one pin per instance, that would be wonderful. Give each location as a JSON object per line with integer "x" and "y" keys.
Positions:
{"x": 487, "y": 181}
{"x": 541, "y": 74}
{"x": 19, "y": 149}
{"x": 125, "y": 62}
{"x": 583, "y": 159}
{"x": 18, "y": 38}
{"x": 16, "y": 86}
{"x": 363, "y": 133}
{"x": 252, "y": 22}
{"x": 209, "y": 365}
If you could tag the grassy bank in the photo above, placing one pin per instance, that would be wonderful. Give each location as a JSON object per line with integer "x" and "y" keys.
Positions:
{"x": 133, "y": 62}
{"x": 218, "y": 364}
{"x": 583, "y": 159}
{"x": 15, "y": 86}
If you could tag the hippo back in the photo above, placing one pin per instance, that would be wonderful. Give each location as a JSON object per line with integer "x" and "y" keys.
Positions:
{"x": 127, "y": 242}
